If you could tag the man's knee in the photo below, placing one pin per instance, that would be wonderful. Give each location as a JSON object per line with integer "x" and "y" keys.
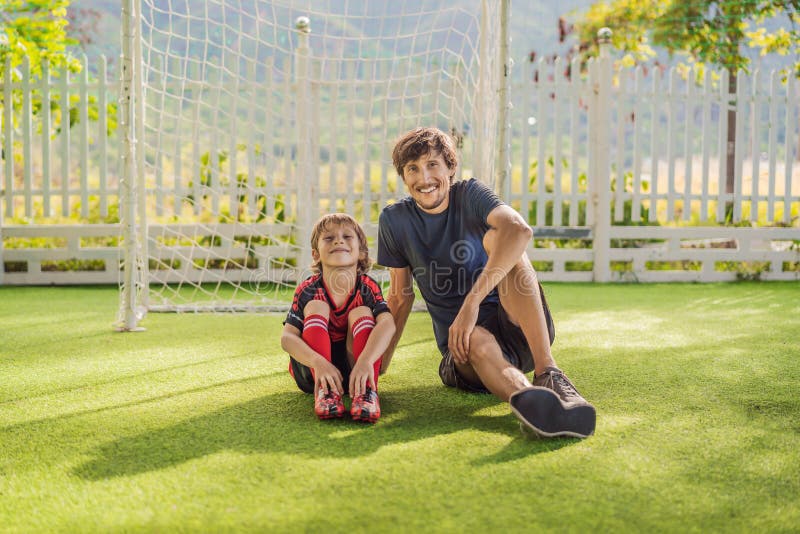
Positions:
{"x": 483, "y": 347}
{"x": 462, "y": 377}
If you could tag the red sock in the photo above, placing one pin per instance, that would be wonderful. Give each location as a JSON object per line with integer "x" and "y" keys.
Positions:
{"x": 362, "y": 328}
{"x": 315, "y": 334}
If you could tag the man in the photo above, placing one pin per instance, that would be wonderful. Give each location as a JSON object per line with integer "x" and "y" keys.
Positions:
{"x": 466, "y": 251}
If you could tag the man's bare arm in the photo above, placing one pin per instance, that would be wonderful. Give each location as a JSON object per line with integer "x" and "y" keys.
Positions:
{"x": 514, "y": 234}
{"x": 400, "y": 299}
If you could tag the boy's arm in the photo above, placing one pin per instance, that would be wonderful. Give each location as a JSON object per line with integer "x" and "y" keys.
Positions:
{"x": 325, "y": 373}
{"x": 400, "y": 299}
{"x": 378, "y": 340}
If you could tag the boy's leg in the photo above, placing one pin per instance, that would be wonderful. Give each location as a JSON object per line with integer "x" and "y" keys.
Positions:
{"x": 360, "y": 326}
{"x": 302, "y": 375}
{"x": 365, "y": 407}
{"x": 315, "y": 334}
{"x": 315, "y": 328}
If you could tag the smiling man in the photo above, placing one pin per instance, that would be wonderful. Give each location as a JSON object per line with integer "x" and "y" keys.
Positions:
{"x": 465, "y": 249}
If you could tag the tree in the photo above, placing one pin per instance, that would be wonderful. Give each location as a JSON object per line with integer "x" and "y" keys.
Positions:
{"x": 706, "y": 32}
{"x": 36, "y": 29}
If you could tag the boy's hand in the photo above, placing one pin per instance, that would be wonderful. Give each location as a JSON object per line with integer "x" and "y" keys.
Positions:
{"x": 361, "y": 376}
{"x": 328, "y": 378}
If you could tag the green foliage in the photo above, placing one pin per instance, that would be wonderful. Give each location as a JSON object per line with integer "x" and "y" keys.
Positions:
{"x": 73, "y": 264}
{"x": 683, "y": 265}
{"x": 707, "y": 32}
{"x": 216, "y": 165}
{"x": 784, "y": 42}
{"x": 549, "y": 206}
{"x": 745, "y": 270}
{"x": 36, "y": 29}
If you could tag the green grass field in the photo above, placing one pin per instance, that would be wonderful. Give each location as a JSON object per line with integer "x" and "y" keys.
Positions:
{"x": 195, "y": 426}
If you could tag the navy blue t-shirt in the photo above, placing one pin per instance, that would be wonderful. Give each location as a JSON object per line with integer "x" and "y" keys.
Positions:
{"x": 444, "y": 251}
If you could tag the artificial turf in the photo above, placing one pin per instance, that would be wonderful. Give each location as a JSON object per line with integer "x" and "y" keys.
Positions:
{"x": 195, "y": 426}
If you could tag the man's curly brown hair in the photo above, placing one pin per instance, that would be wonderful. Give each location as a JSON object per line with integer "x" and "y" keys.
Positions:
{"x": 422, "y": 141}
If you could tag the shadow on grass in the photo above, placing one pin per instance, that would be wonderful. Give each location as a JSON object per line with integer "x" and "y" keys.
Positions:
{"x": 136, "y": 376}
{"x": 284, "y": 423}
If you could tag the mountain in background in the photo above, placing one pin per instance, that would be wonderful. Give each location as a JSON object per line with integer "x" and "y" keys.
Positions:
{"x": 533, "y": 24}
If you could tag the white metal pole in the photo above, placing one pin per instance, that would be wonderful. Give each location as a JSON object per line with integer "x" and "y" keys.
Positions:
{"x": 503, "y": 162}
{"x": 482, "y": 150}
{"x": 304, "y": 181}
{"x": 142, "y": 241}
{"x": 128, "y": 304}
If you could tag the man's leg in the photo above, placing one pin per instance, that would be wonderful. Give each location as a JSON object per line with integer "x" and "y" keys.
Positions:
{"x": 522, "y": 301}
{"x": 487, "y": 366}
{"x": 539, "y": 409}
{"x": 520, "y": 297}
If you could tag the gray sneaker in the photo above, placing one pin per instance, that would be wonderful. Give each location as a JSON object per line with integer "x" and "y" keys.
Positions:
{"x": 542, "y": 413}
{"x": 552, "y": 407}
{"x": 556, "y": 380}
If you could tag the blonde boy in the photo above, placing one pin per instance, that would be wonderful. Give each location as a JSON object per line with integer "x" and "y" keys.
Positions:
{"x": 339, "y": 324}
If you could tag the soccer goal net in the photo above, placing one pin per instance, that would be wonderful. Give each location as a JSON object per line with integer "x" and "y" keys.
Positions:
{"x": 250, "y": 119}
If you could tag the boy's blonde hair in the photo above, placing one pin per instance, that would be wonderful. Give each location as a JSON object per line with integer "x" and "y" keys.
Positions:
{"x": 333, "y": 220}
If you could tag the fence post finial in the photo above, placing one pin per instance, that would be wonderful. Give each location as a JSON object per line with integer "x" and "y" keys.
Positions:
{"x": 303, "y": 24}
{"x": 604, "y": 36}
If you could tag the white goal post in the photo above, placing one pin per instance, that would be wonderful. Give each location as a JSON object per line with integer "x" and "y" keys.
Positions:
{"x": 245, "y": 120}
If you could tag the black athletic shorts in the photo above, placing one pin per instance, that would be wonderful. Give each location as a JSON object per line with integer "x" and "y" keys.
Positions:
{"x": 511, "y": 340}
{"x": 302, "y": 373}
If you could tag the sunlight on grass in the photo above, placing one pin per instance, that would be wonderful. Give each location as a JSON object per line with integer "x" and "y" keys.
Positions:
{"x": 195, "y": 424}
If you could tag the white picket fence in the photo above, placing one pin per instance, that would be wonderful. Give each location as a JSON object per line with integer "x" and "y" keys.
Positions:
{"x": 649, "y": 145}
{"x": 58, "y": 168}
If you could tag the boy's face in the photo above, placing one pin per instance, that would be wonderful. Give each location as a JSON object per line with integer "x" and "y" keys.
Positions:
{"x": 428, "y": 181}
{"x": 337, "y": 246}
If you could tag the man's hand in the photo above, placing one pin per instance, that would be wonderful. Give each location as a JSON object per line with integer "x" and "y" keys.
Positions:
{"x": 361, "y": 376}
{"x": 328, "y": 378}
{"x": 460, "y": 332}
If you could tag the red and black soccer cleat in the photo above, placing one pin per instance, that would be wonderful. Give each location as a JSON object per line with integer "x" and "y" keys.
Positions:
{"x": 366, "y": 407}
{"x": 328, "y": 405}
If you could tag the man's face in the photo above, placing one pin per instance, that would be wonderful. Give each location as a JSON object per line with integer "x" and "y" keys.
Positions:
{"x": 428, "y": 181}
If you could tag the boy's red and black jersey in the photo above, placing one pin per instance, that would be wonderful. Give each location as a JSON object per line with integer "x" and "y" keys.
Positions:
{"x": 366, "y": 292}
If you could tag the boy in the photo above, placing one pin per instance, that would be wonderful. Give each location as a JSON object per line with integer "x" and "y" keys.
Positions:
{"x": 339, "y": 324}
